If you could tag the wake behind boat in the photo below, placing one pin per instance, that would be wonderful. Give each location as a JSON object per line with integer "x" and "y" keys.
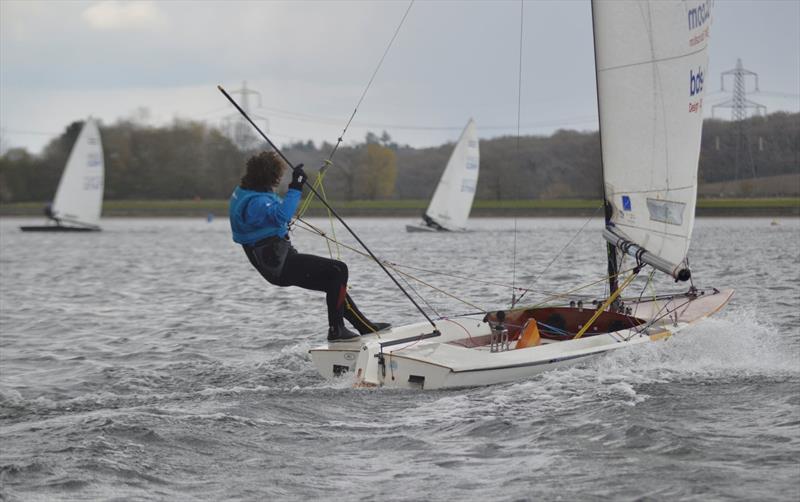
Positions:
{"x": 452, "y": 200}
{"x": 650, "y": 124}
{"x": 79, "y": 197}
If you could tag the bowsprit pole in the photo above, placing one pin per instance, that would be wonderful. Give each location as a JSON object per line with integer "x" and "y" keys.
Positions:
{"x": 325, "y": 203}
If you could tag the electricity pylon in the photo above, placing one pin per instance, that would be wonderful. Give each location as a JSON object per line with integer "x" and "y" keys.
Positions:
{"x": 239, "y": 130}
{"x": 739, "y": 106}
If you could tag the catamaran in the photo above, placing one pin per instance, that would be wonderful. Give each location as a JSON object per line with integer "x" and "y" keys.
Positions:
{"x": 650, "y": 62}
{"x": 79, "y": 197}
{"x": 452, "y": 200}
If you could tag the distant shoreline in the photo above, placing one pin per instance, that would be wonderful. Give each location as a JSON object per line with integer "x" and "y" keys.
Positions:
{"x": 413, "y": 208}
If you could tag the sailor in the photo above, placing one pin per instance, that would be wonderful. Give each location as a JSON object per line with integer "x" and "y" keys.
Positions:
{"x": 259, "y": 222}
{"x": 48, "y": 212}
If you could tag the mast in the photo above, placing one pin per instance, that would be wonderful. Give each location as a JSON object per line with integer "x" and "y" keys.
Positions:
{"x": 611, "y": 250}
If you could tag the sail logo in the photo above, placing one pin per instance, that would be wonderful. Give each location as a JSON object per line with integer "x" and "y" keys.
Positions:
{"x": 695, "y": 82}
{"x": 468, "y": 186}
{"x": 472, "y": 163}
{"x": 698, "y": 16}
{"x": 93, "y": 160}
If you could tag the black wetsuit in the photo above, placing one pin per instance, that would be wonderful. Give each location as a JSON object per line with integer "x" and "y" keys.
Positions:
{"x": 318, "y": 274}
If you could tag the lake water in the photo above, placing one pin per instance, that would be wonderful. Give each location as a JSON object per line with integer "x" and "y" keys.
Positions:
{"x": 149, "y": 361}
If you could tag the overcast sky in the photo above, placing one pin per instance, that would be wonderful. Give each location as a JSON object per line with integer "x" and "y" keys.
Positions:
{"x": 63, "y": 60}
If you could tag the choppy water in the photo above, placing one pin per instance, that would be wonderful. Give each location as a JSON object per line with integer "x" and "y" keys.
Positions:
{"x": 150, "y": 362}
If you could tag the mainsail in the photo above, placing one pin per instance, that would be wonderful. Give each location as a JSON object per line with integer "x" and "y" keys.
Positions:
{"x": 79, "y": 197}
{"x": 651, "y": 61}
{"x": 452, "y": 200}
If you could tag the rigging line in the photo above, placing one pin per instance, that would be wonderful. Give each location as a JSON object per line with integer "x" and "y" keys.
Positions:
{"x": 519, "y": 159}
{"x": 439, "y": 290}
{"x": 396, "y": 268}
{"x": 653, "y": 321}
{"x": 394, "y": 265}
{"x": 514, "y": 268}
{"x": 433, "y": 309}
{"x": 569, "y": 293}
{"x": 319, "y": 119}
{"x": 329, "y": 160}
{"x": 325, "y": 202}
{"x": 644, "y": 288}
{"x": 369, "y": 84}
{"x": 591, "y": 217}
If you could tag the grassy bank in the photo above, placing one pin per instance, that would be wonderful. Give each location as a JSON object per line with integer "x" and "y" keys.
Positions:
{"x": 413, "y": 207}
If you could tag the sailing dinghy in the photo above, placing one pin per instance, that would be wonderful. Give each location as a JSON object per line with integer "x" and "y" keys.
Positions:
{"x": 452, "y": 200}
{"x": 650, "y": 61}
{"x": 79, "y": 197}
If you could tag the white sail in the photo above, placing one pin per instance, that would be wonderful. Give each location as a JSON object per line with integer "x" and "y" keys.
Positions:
{"x": 452, "y": 200}
{"x": 79, "y": 197}
{"x": 651, "y": 59}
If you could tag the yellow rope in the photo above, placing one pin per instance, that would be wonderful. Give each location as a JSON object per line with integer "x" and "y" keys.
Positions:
{"x": 606, "y": 304}
{"x": 363, "y": 321}
{"x": 317, "y": 184}
{"x": 320, "y": 188}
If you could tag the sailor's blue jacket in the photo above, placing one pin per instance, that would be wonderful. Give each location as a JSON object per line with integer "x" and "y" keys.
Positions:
{"x": 258, "y": 215}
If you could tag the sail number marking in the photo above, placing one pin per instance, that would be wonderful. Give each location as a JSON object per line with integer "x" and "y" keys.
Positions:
{"x": 92, "y": 182}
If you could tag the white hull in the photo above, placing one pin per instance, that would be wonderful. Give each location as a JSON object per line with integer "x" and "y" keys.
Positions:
{"x": 422, "y": 227}
{"x": 460, "y": 355}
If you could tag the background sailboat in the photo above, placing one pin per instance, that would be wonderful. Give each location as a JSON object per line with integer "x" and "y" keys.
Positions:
{"x": 452, "y": 201}
{"x": 78, "y": 201}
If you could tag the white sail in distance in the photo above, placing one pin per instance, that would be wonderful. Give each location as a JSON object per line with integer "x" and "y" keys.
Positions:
{"x": 79, "y": 197}
{"x": 652, "y": 66}
{"x": 452, "y": 200}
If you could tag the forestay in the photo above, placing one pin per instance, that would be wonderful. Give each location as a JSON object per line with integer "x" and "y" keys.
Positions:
{"x": 79, "y": 197}
{"x": 651, "y": 60}
{"x": 452, "y": 200}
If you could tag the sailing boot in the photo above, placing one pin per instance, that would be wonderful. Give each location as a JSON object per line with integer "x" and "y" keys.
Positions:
{"x": 360, "y": 321}
{"x": 338, "y": 333}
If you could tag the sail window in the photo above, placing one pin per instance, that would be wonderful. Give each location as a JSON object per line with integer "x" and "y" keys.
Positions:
{"x": 666, "y": 211}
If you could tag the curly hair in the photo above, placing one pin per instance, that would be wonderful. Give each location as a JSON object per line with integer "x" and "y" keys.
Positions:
{"x": 264, "y": 172}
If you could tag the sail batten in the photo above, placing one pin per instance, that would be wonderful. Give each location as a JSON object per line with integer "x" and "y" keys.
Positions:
{"x": 651, "y": 60}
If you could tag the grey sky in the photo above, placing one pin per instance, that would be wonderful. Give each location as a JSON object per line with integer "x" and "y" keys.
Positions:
{"x": 64, "y": 60}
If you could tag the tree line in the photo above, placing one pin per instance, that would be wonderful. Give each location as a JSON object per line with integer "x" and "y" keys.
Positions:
{"x": 189, "y": 160}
